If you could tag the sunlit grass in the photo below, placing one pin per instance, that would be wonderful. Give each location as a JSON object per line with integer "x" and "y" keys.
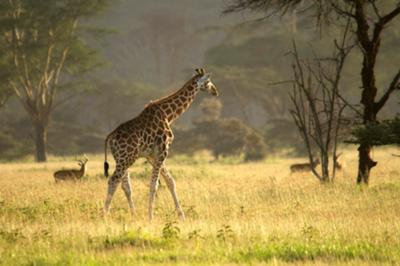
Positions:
{"x": 237, "y": 213}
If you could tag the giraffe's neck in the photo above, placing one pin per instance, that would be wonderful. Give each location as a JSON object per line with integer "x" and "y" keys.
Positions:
{"x": 177, "y": 103}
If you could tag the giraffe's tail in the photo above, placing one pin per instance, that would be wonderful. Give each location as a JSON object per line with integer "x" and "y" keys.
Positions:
{"x": 106, "y": 166}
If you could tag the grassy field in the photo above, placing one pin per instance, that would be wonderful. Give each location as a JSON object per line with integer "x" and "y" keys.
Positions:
{"x": 237, "y": 213}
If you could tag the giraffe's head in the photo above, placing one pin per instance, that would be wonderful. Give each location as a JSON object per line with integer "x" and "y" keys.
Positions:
{"x": 204, "y": 83}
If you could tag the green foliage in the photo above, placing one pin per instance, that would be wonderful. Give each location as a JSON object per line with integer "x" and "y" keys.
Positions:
{"x": 210, "y": 108}
{"x": 385, "y": 133}
{"x": 245, "y": 89}
{"x": 281, "y": 134}
{"x": 42, "y": 46}
{"x": 12, "y": 147}
{"x": 5, "y": 94}
{"x": 45, "y": 30}
{"x": 245, "y": 54}
{"x": 225, "y": 136}
{"x": 225, "y": 233}
{"x": 195, "y": 235}
{"x": 255, "y": 148}
{"x": 222, "y": 136}
{"x": 16, "y": 143}
{"x": 299, "y": 251}
{"x": 171, "y": 231}
{"x": 128, "y": 239}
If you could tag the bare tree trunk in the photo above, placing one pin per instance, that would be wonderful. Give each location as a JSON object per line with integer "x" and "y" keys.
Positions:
{"x": 365, "y": 163}
{"x": 325, "y": 167}
{"x": 370, "y": 44}
{"x": 41, "y": 141}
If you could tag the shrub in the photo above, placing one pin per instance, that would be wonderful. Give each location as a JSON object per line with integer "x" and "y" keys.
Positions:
{"x": 226, "y": 137}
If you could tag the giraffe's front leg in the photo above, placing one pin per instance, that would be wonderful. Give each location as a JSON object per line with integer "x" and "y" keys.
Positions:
{"x": 172, "y": 188}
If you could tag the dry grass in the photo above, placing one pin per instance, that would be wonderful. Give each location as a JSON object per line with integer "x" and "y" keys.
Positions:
{"x": 237, "y": 213}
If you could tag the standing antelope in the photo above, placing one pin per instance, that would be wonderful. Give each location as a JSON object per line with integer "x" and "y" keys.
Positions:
{"x": 72, "y": 174}
{"x": 339, "y": 166}
{"x": 303, "y": 167}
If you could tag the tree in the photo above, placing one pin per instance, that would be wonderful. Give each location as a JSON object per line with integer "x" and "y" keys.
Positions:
{"x": 41, "y": 47}
{"x": 222, "y": 136}
{"x": 244, "y": 74}
{"x": 229, "y": 136}
{"x": 369, "y": 20}
{"x": 385, "y": 133}
{"x": 318, "y": 106}
{"x": 5, "y": 94}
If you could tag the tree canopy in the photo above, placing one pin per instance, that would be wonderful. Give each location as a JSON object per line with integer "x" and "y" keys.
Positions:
{"x": 41, "y": 40}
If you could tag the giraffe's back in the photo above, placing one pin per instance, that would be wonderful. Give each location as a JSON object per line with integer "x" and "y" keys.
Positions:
{"x": 137, "y": 137}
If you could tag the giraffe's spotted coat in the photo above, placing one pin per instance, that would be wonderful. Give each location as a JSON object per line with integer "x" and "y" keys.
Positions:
{"x": 149, "y": 135}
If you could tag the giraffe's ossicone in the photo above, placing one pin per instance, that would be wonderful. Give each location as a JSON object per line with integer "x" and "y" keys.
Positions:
{"x": 149, "y": 135}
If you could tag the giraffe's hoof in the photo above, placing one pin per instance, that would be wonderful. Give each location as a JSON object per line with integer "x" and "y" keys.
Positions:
{"x": 105, "y": 213}
{"x": 181, "y": 216}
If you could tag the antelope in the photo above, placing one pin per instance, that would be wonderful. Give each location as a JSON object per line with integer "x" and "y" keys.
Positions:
{"x": 303, "y": 167}
{"x": 72, "y": 174}
{"x": 338, "y": 165}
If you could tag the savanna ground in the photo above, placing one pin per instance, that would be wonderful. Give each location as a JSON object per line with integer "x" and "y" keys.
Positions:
{"x": 237, "y": 213}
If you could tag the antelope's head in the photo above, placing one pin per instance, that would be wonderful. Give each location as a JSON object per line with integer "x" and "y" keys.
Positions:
{"x": 82, "y": 163}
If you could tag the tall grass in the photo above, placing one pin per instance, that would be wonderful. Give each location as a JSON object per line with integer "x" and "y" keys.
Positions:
{"x": 236, "y": 214}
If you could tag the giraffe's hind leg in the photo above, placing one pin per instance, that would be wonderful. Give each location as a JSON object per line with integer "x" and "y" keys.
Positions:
{"x": 172, "y": 188}
{"x": 113, "y": 183}
{"x": 153, "y": 188}
{"x": 127, "y": 188}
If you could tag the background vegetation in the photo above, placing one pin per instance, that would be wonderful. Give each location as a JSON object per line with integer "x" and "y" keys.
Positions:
{"x": 153, "y": 52}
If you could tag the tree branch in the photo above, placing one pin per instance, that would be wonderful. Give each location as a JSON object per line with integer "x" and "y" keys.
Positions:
{"x": 375, "y": 8}
{"x": 362, "y": 25}
{"x": 392, "y": 87}
{"x": 383, "y": 21}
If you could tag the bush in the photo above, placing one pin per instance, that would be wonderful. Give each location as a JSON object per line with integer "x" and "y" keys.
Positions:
{"x": 385, "y": 133}
{"x": 227, "y": 137}
{"x": 282, "y": 134}
{"x": 222, "y": 136}
{"x": 255, "y": 148}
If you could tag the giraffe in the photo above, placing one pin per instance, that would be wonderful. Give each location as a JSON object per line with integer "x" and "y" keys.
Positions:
{"x": 149, "y": 135}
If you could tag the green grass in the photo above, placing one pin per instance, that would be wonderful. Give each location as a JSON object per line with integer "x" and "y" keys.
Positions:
{"x": 253, "y": 213}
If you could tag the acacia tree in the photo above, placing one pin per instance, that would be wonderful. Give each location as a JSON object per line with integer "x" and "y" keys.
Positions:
{"x": 41, "y": 46}
{"x": 369, "y": 20}
{"x": 5, "y": 94}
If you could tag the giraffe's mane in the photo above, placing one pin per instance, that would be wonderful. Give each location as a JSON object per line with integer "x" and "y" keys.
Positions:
{"x": 169, "y": 96}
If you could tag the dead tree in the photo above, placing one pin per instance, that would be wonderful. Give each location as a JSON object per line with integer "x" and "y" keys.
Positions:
{"x": 369, "y": 19}
{"x": 318, "y": 106}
